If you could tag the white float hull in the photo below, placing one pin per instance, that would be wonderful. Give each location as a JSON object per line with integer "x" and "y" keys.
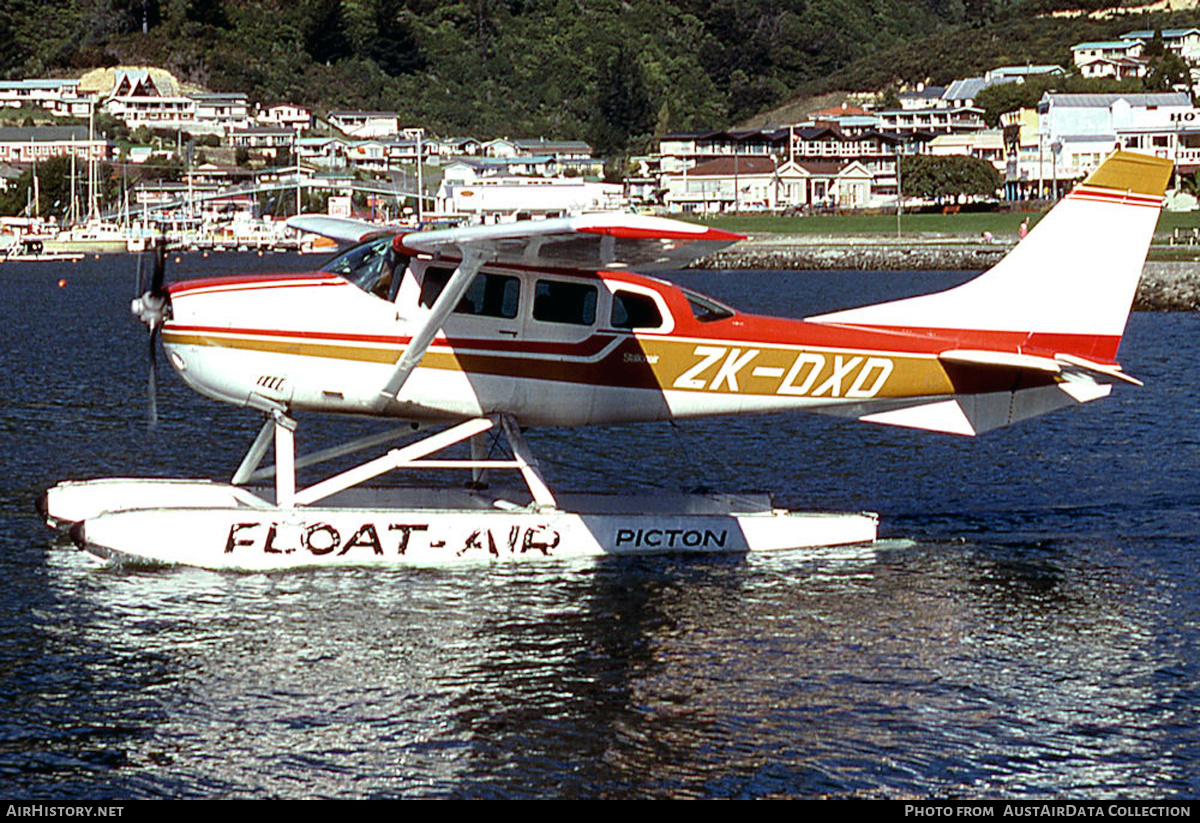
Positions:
{"x": 225, "y": 527}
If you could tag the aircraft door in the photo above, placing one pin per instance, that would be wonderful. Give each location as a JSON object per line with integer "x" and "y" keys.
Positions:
{"x": 483, "y": 329}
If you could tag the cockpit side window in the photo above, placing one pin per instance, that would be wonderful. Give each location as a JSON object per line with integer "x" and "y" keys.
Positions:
{"x": 705, "y": 309}
{"x": 562, "y": 301}
{"x": 489, "y": 295}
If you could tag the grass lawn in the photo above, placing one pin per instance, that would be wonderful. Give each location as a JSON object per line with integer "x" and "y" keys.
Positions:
{"x": 1000, "y": 224}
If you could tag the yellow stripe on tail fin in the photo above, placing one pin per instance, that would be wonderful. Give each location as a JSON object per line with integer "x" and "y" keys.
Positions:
{"x": 1136, "y": 173}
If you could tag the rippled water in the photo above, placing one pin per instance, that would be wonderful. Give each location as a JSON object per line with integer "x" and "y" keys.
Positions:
{"x": 1027, "y": 628}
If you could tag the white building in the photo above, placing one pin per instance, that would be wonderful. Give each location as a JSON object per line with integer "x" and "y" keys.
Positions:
{"x": 48, "y": 94}
{"x": 223, "y": 112}
{"x": 366, "y": 125}
{"x": 503, "y": 198}
{"x": 941, "y": 119}
{"x": 297, "y": 118}
{"x": 985, "y": 145}
{"x": 1184, "y": 42}
{"x": 736, "y": 184}
{"x": 1077, "y": 131}
{"x": 1084, "y": 53}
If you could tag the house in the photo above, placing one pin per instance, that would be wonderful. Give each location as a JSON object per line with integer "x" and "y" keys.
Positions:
{"x": 922, "y": 97}
{"x": 500, "y": 147}
{"x": 841, "y": 140}
{"x": 72, "y": 106}
{"x": 370, "y": 154}
{"x": 140, "y": 99}
{"x": 1021, "y": 73}
{"x": 1184, "y": 42}
{"x": 40, "y": 143}
{"x": 984, "y": 145}
{"x": 570, "y": 157}
{"x": 224, "y": 112}
{"x": 681, "y": 150}
{"x": 322, "y": 152}
{"x": 484, "y": 166}
{"x": 366, "y": 125}
{"x": 941, "y": 119}
{"x": 1084, "y": 53}
{"x": 457, "y": 146}
{"x": 267, "y": 141}
{"x": 47, "y": 94}
{"x": 736, "y": 184}
{"x": 1121, "y": 68}
{"x": 296, "y": 118}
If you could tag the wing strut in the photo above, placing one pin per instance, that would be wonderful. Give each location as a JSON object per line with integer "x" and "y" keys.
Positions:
{"x": 472, "y": 261}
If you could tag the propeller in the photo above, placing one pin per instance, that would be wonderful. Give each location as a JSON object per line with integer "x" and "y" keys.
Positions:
{"x": 151, "y": 308}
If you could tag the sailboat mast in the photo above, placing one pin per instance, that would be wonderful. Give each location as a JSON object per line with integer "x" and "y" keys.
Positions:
{"x": 93, "y": 206}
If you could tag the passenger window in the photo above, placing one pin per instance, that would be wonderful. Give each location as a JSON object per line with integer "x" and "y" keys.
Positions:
{"x": 631, "y": 310}
{"x": 559, "y": 301}
{"x": 492, "y": 295}
{"x": 489, "y": 295}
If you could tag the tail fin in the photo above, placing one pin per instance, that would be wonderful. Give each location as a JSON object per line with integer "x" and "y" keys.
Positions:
{"x": 1066, "y": 289}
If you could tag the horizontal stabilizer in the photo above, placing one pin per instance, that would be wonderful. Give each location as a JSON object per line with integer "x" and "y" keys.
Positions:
{"x": 1000, "y": 359}
{"x": 973, "y": 414}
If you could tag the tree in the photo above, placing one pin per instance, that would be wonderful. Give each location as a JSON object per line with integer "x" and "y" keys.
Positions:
{"x": 54, "y": 188}
{"x": 394, "y": 49}
{"x": 888, "y": 99}
{"x": 939, "y": 178}
{"x": 325, "y": 37}
{"x": 1169, "y": 72}
{"x": 624, "y": 109}
{"x": 207, "y": 12}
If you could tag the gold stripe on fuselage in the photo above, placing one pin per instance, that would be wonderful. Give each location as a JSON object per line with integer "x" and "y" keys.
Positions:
{"x": 650, "y": 362}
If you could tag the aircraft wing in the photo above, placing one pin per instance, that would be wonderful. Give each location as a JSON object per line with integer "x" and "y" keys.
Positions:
{"x": 593, "y": 242}
{"x": 341, "y": 229}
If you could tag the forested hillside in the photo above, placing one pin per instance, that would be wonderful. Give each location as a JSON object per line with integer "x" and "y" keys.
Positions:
{"x": 609, "y": 71}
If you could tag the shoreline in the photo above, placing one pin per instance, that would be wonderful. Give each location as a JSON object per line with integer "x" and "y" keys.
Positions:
{"x": 1165, "y": 285}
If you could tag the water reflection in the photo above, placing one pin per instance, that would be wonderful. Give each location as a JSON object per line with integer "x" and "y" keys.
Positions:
{"x": 943, "y": 670}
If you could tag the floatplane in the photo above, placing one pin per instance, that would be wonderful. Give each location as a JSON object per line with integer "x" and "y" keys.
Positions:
{"x": 471, "y": 335}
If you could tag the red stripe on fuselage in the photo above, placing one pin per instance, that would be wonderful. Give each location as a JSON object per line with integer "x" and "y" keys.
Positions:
{"x": 265, "y": 281}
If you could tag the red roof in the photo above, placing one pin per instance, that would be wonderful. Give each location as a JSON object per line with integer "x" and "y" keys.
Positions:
{"x": 837, "y": 111}
{"x": 726, "y": 167}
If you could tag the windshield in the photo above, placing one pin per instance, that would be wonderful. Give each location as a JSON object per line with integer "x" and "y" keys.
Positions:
{"x": 705, "y": 309}
{"x": 371, "y": 266}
